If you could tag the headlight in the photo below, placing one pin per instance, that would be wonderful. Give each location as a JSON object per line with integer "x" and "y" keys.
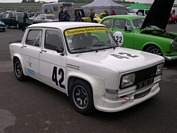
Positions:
{"x": 159, "y": 69}
{"x": 173, "y": 44}
{"x": 127, "y": 80}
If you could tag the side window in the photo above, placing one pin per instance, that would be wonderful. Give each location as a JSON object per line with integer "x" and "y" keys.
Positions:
{"x": 108, "y": 23}
{"x": 120, "y": 24}
{"x": 34, "y": 38}
{"x": 53, "y": 40}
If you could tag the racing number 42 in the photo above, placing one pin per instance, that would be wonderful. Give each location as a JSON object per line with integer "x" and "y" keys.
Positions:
{"x": 55, "y": 77}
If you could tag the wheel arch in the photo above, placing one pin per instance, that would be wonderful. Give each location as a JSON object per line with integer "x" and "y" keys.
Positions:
{"x": 73, "y": 78}
{"x": 146, "y": 46}
{"x": 16, "y": 56}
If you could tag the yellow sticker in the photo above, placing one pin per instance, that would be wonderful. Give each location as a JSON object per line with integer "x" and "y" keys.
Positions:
{"x": 85, "y": 30}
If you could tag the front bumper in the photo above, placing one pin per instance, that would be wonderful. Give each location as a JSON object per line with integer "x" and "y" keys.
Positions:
{"x": 122, "y": 104}
{"x": 134, "y": 98}
{"x": 170, "y": 58}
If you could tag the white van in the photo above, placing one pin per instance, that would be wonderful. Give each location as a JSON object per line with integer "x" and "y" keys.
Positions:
{"x": 54, "y": 8}
{"x": 130, "y": 11}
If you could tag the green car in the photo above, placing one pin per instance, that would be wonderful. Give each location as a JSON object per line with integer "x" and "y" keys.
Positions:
{"x": 146, "y": 34}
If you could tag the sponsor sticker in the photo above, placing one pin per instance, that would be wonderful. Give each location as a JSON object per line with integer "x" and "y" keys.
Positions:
{"x": 85, "y": 30}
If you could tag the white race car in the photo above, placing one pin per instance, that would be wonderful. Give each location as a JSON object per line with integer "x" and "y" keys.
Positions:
{"x": 83, "y": 61}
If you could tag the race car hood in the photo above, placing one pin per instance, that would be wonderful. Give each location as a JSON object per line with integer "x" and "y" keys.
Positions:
{"x": 159, "y": 14}
{"x": 120, "y": 59}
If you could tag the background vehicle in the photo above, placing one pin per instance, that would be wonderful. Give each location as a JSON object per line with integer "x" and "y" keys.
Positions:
{"x": 41, "y": 18}
{"x": 2, "y": 26}
{"x": 10, "y": 18}
{"x": 97, "y": 18}
{"x": 54, "y": 8}
{"x": 130, "y": 11}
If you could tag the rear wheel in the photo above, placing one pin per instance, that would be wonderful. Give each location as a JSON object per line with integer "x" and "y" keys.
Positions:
{"x": 154, "y": 50}
{"x": 17, "y": 26}
{"x": 82, "y": 97}
{"x": 18, "y": 71}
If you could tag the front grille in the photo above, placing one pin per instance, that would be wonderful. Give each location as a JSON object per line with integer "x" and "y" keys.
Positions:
{"x": 144, "y": 75}
{"x": 140, "y": 95}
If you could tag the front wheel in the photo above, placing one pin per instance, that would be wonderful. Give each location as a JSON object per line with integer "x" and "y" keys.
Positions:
{"x": 82, "y": 97}
{"x": 154, "y": 50}
{"x": 18, "y": 71}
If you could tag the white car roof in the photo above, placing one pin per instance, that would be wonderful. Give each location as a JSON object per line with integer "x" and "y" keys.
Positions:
{"x": 64, "y": 25}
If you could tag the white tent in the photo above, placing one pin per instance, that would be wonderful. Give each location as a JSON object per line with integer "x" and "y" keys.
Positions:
{"x": 99, "y": 6}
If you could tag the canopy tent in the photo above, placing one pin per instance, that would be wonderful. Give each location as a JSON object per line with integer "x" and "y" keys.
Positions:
{"x": 99, "y": 6}
{"x": 139, "y": 6}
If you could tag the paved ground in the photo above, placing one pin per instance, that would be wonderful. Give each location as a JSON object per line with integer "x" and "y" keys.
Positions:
{"x": 32, "y": 107}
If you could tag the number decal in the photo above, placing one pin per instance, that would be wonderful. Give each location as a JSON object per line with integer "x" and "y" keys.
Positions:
{"x": 119, "y": 38}
{"x": 129, "y": 55}
{"x": 120, "y": 56}
{"x": 61, "y": 72}
{"x": 55, "y": 77}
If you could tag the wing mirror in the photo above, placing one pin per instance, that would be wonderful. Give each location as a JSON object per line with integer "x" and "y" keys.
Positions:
{"x": 60, "y": 50}
{"x": 128, "y": 28}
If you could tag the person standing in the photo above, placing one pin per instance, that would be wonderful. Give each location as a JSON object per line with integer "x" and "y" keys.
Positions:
{"x": 92, "y": 15}
{"x": 107, "y": 14}
{"x": 65, "y": 16}
{"x": 78, "y": 16}
{"x": 24, "y": 21}
{"x": 60, "y": 15}
{"x": 113, "y": 12}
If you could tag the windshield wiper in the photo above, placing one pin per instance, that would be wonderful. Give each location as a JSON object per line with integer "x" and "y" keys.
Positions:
{"x": 99, "y": 44}
{"x": 80, "y": 48}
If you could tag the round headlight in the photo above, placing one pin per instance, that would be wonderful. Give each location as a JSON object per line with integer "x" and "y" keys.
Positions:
{"x": 173, "y": 44}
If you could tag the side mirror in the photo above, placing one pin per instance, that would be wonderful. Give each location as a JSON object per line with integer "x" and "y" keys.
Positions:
{"x": 60, "y": 50}
{"x": 128, "y": 28}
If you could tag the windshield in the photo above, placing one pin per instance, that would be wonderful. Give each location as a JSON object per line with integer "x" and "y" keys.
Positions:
{"x": 89, "y": 39}
{"x": 137, "y": 23}
{"x": 129, "y": 10}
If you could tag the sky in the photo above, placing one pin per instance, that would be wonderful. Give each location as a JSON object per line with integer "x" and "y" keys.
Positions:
{"x": 140, "y": 1}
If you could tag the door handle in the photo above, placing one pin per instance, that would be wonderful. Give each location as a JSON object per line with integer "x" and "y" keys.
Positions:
{"x": 24, "y": 46}
{"x": 43, "y": 51}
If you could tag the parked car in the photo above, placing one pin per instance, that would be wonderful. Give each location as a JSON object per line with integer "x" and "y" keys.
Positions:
{"x": 2, "y": 26}
{"x": 97, "y": 18}
{"x": 146, "y": 34}
{"x": 173, "y": 18}
{"x": 98, "y": 75}
{"x": 41, "y": 18}
{"x": 10, "y": 18}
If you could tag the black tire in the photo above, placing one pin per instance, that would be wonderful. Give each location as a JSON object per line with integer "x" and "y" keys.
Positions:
{"x": 18, "y": 71}
{"x": 175, "y": 21}
{"x": 154, "y": 50}
{"x": 17, "y": 26}
{"x": 4, "y": 29}
{"x": 81, "y": 97}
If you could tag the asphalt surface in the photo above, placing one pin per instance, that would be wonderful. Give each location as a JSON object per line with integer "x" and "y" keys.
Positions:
{"x": 32, "y": 107}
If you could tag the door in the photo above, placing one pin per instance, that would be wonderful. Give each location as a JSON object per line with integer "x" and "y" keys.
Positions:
{"x": 123, "y": 37}
{"x": 30, "y": 52}
{"x": 53, "y": 64}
